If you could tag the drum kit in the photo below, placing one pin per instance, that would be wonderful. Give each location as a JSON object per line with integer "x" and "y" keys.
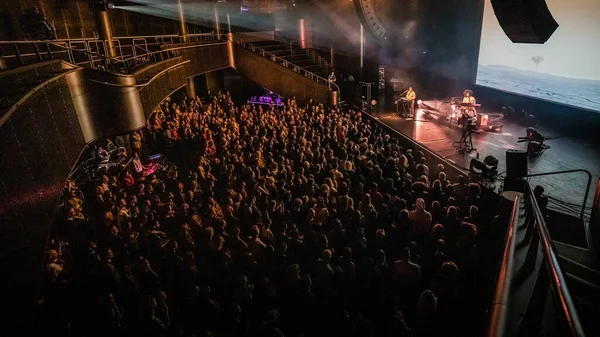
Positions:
{"x": 466, "y": 117}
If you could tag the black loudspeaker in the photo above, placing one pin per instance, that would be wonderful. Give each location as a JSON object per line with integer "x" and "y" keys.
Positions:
{"x": 525, "y": 21}
{"x": 516, "y": 164}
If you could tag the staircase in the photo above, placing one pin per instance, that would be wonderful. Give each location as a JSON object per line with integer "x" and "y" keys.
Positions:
{"x": 291, "y": 52}
{"x": 544, "y": 287}
{"x": 582, "y": 271}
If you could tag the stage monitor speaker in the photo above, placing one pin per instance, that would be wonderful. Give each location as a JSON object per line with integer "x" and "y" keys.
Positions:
{"x": 516, "y": 164}
{"x": 525, "y": 21}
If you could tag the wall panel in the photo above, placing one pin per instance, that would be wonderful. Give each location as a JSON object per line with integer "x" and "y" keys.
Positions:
{"x": 277, "y": 78}
{"x": 39, "y": 142}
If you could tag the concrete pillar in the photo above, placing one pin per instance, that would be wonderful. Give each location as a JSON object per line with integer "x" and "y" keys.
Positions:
{"x": 304, "y": 33}
{"x": 228, "y": 24}
{"x": 334, "y": 98}
{"x": 230, "y": 48}
{"x": 105, "y": 32}
{"x": 362, "y": 51}
{"x": 183, "y": 33}
{"x": 190, "y": 88}
{"x": 217, "y": 25}
{"x": 331, "y": 58}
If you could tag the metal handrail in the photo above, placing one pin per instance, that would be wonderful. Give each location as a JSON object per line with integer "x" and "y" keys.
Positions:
{"x": 46, "y": 41}
{"x": 287, "y": 64}
{"x": 310, "y": 51}
{"x": 84, "y": 51}
{"x": 587, "y": 189}
{"x": 124, "y": 61}
{"x": 170, "y": 50}
{"x": 83, "y": 29}
{"x": 141, "y": 85}
{"x": 86, "y": 45}
{"x": 505, "y": 277}
{"x": 557, "y": 278}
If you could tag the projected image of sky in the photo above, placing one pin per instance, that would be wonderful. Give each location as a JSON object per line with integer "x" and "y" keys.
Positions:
{"x": 566, "y": 69}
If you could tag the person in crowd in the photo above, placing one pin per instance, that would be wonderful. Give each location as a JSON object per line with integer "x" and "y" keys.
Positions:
{"x": 331, "y": 79}
{"x": 264, "y": 222}
{"x": 36, "y": 26}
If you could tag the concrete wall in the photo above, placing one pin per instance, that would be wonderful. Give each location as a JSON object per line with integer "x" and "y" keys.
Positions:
{"x": 40, "y": 141}
{"x": 276, "y": 78}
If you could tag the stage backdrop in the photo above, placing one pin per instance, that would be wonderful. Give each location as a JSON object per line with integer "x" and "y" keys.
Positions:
{"x": 565, "y": 70}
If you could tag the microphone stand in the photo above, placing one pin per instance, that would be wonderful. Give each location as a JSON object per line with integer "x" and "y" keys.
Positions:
{"x": 398, "y": 100}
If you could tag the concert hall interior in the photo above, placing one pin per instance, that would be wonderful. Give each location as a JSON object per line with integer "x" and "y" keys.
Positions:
{"x": 178, "y": 168}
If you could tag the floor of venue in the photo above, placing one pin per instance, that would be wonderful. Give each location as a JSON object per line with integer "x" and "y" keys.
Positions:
{"x": 431, "y": 129}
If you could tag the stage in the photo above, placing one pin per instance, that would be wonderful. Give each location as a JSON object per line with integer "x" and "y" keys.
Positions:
{"x": 430, "y": 128}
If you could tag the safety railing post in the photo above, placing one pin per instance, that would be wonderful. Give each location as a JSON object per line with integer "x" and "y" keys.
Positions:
{"x": 89, "y": 54}
{"x": 50, "y": 56}
{"x": 18, "y": 52}
{"x": 37, "y": 51}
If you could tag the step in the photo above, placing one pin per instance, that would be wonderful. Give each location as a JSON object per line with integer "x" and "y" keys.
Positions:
{"x": 292, "y": 58}
{"x": 273, "y": 47}
{"x": 588, "y": 313}
{"x": 579, "y": 270}
{"x": 583, "y": 288}
{"x": 580, "y": 255}
{"x": 267, "y": 43}
{"x": 305, "y": 63}
{"x": 288, "y": 52}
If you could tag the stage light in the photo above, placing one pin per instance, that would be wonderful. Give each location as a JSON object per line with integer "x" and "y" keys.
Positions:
{"x": 420, "y": 112}
{"x": 484, "y": 120}
{"x": 419, "y": 102}
{"x": 487, "y": 169}
{"x": 102, "y": 5}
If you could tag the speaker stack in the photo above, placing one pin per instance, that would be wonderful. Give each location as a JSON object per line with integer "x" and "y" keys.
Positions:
{"x": 525, "y": 21}
{"x": 516, "y": 169}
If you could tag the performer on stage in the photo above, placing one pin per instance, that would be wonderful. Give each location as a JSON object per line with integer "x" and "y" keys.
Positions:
{"x": 410, "y": 100}
{"x": 471, "y": 113}
{"x": 468, "y": 97}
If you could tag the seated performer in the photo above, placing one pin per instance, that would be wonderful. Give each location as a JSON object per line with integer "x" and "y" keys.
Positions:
{"x": 410, "y": 100}
{"x": 470, "y": 111}
{"x": 468, "y": 97}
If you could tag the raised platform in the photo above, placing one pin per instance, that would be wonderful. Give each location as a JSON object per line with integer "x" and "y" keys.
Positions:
{"x": 431, "y": 129}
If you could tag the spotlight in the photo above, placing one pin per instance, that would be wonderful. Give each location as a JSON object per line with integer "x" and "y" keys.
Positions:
{"x": 419, "y": 102}
{"x": 102, "y": 5}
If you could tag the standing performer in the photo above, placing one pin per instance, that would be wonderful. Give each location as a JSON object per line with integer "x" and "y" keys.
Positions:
{"x": 410, "y": 100}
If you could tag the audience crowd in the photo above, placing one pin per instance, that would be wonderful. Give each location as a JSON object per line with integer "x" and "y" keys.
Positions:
{"x": 264, "y": 221}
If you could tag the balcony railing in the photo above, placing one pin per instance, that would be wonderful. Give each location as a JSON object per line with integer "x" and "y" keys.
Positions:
{"x": 549, "y": 278}
{"x": 130, "y": 51}
{"x": 285, "y": 63}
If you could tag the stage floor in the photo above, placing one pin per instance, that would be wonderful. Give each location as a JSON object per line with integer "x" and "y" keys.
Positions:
{"x": 434, "y": 132}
